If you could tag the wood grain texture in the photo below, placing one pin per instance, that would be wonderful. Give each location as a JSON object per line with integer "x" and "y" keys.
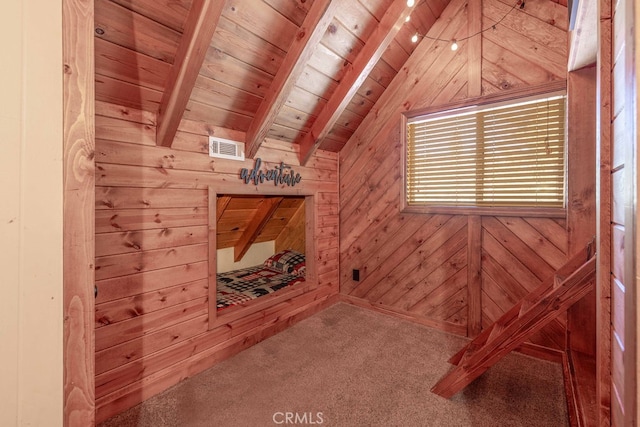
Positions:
{"x": 78, "y": 219}
{"x": 624, "y": 404}
{"x": 605, "y": 288}
{"x": 172, "y": 15}
{"x": 510, "y": 269}
{"x": 136, "y": 241}
{"x": 256, "y": 224}
{"x": 143, "y": 189}
{"x": 234, "y": 214}
{"x": 155, "y": 314}
{"x": 303, "y": 46}
{"x": 412, "y": 264}
{"x": 474, "y": 276}
{"x": 219, "y": 344}
{"x": 581, "y": 202}
{"x": 293, "y": 235}
{"x": 201, "y": 23}
{"x": 135, "y": 68}
{"x": 135, "y": 31}
{"x": 474, "y": 48}
{"x": 354, "y": 77}
{"x": 137, "y": 43}
{"x": 547, "y": 303}
{"x": 122, "y": 93}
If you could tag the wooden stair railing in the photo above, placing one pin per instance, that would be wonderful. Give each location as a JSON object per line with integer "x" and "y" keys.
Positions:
{"x": 553, "y": 297}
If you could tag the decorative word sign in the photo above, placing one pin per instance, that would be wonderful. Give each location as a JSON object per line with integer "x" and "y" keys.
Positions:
{"x": 281, "y": 174}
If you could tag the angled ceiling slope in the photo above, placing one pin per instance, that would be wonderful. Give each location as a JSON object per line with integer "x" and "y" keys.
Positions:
{"x": 305, "y": 72}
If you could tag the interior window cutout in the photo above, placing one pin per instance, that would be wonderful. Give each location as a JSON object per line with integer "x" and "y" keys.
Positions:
{"x": 260, "y": 248}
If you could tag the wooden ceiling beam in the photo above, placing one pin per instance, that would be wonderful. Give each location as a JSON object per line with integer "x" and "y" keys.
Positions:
{"x": 354, "y": 77}
{"x": 302, "y": 49}
{"x": 267, "y": 207}
{"x": 199, "y": 28}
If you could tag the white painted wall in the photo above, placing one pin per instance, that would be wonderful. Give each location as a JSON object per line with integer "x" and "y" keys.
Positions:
{"x": 31, "y": 363}
{"x": 256, "y": 254}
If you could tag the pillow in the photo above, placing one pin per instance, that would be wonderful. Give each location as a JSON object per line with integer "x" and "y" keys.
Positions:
{"x": 287, "y": 261}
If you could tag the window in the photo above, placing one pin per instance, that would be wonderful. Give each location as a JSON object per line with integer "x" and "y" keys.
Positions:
{"x": 500, "y": 155}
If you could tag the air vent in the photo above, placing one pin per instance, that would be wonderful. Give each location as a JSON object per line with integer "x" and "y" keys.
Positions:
{"x": 225, "y": 148}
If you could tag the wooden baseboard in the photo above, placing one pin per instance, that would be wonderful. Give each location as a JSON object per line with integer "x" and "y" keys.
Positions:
{"x": 570, "y": 392}
{"x": 580, "y": 388}
{"x": 533, "y": 350}
{"x": 540, "y": 352}
{"x": 391, "y": 311}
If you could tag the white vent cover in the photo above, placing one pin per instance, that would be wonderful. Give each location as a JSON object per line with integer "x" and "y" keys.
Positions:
{"x": 225, "y": 148}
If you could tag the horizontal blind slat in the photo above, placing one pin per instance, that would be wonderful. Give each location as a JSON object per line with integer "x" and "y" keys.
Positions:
{"x": 496, "y": 156}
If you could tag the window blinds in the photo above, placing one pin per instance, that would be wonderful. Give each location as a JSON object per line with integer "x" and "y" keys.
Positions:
{"x": 494, "y": 155}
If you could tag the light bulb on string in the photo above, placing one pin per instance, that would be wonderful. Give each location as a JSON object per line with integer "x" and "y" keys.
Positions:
{"x": 454, "y": 43}
{"x": 408, "y": 18}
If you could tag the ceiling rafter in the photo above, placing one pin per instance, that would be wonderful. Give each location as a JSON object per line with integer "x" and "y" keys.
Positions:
{"x": 354, "y": 77}
{"x": 302, "y": 49}
{"x": 199, "y": 29}
{"x": 266, "y": 208}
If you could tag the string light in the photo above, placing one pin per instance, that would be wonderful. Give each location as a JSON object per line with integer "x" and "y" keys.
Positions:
{"x": 454, "y": 42}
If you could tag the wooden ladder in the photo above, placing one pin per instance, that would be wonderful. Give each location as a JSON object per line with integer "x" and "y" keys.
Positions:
{"x": 553, "y": 297}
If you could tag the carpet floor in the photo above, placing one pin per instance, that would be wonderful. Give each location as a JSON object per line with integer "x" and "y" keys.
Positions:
{"x": 347, "y": 366}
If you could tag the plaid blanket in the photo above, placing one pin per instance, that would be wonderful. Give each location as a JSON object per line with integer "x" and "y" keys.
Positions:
{"x": 238, "y": 286}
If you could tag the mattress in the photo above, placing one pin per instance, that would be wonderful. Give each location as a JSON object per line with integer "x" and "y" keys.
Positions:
{"x": 239, "y": 286}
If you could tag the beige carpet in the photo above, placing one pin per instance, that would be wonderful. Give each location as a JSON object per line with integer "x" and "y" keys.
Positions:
{"x": 347, "y": 366}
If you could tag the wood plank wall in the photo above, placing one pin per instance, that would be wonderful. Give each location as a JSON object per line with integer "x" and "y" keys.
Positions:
{"x": 623, "y": 375}
{"x": 293, "y": 235}
{"x": 582, "y": 334}
{"x": 457, "y": 273}
{"x": 581, "y": 130}
{"x": 603, "y": 205}
{"x": 151, "y": 318}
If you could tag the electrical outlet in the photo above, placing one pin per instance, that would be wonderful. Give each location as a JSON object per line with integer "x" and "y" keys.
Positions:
{"x": 356, "y": 275}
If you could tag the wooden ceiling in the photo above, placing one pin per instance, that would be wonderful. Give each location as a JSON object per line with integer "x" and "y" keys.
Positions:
{"x": 305, "y": 72}
{"x": 245, "y": 220}
{"x": 301, "y": 71}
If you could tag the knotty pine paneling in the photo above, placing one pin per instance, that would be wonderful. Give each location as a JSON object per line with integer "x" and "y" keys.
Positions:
{"x": 420, "y": 266}
{"x": 293, "y": 236}
{"x": 516, "y": 258}
{"x": 130, "y": 66}
{"x": 76, "y": 151}
{"x": 117, "y": 24}
{"x": 152, "y": 319}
